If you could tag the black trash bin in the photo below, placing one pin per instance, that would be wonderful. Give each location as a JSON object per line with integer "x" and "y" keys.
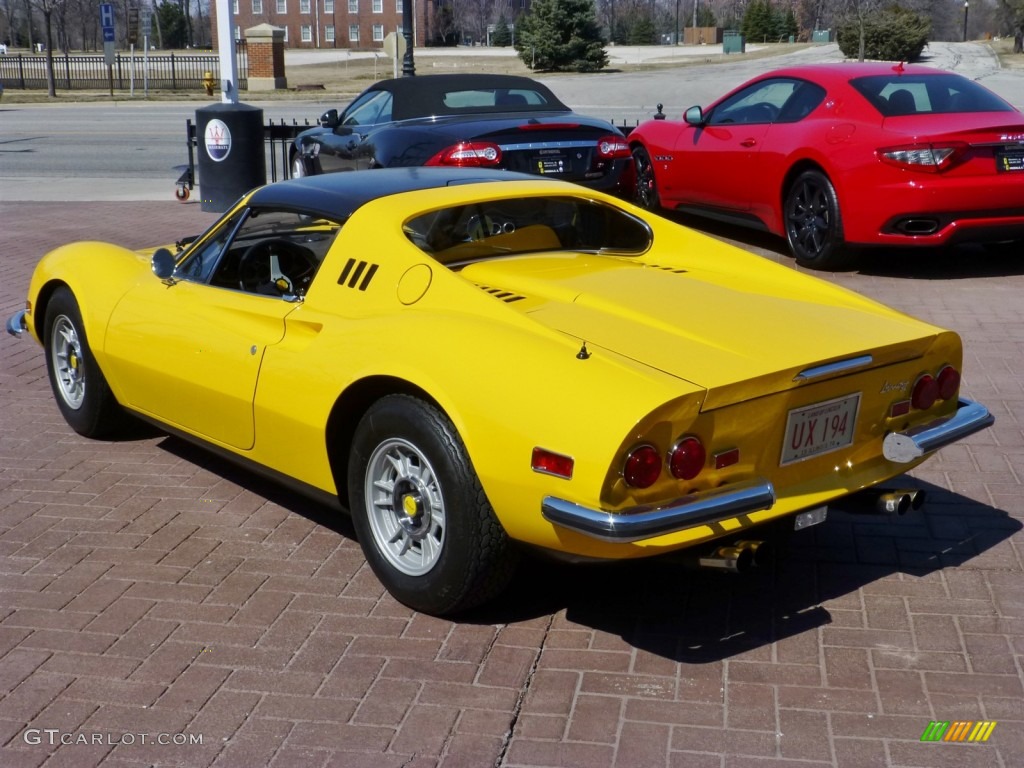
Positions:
{"x": 231, "y": 156}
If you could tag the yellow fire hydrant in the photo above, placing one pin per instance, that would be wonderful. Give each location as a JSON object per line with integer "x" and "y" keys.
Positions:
{"x": 209, "y": 83}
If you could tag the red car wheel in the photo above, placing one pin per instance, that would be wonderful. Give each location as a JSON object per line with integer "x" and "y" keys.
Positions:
{"x": 646, "y": 191}
{"x": 814, "y": 225}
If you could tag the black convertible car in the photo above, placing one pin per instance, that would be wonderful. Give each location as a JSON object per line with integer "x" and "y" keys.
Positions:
{"x": 478, "y": 120}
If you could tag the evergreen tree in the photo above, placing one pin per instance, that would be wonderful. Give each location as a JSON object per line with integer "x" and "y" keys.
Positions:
{"x": 561, "y": 35}
{"x": 643, "y": 31}
{"x": 502, "y": 35}
{"x": 758, "y": 22}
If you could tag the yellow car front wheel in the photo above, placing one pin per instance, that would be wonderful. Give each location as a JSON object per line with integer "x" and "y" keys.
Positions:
{"x": 423, "y": 520}
{"x": 81, "y": 391}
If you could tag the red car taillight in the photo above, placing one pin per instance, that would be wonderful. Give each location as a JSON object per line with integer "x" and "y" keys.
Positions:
{"x": 686, "y": 460}
{"x": 642, "y": 467}
{"x": 471, "y": 154}
{"x": 929, "y": 158}
{"x": 611, "y": 147}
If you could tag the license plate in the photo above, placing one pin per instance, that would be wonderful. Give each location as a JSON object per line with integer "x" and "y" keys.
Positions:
{"x": 550, "y": 165}
{"x": 1009, "y": 162}
{"x": 819, "y": 428}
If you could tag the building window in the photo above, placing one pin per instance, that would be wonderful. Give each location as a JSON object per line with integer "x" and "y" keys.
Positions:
{"x": 378, "y": 6}
{"x": 329, "y": 33}
{"x": 378, "y": 33}
{"x": 304, "y": 6}
{"x": 328, "y": 6}
{"x": 286, "y": 33}
{"x": 306, "y": 32}
{"x": 234, "y": 7}
{"x": 257, "y": 7}
{"x": 353, "y": 6}
{"x": 399, "y": 6}
{"x": 238, "y": 33}
{"x": 353, "y": 33}
{"x": 282, "y": 6}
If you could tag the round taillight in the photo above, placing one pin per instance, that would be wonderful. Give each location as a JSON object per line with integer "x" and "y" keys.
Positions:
{"x": 949, "y": 382}
{"x": 926, "y": 392}
{"x": 686, "y": 460}
{"x": 642, "y": 467}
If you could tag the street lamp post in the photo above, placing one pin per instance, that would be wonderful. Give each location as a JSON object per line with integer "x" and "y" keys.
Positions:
{"x": 408, "y": 65}
{"x": 966, "y": 2}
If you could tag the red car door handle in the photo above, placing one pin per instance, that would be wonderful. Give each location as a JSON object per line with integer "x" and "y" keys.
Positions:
{"x": 748, "y": 142}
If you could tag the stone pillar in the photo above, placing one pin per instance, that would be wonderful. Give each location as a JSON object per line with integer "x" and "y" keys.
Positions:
{"x": 265, "y": 46}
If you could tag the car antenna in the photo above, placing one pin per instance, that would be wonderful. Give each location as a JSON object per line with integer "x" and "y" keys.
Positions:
{"x": 583, "y": 354}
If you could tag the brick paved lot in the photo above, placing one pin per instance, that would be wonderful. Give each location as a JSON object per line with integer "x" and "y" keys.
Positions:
{"x": 148, "y": 589}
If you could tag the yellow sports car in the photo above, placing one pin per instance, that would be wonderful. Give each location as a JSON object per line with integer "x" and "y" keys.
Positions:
{"x": 470, "y": 361}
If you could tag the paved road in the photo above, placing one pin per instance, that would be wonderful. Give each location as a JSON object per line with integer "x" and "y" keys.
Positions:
{"x": 136, "y": 150}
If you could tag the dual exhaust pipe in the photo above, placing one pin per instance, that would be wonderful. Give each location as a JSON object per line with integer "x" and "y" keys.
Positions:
{"x": 884, "y": 501}
{"x": 741, "y": 556}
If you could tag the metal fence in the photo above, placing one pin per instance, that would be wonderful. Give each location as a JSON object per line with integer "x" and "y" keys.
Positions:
{"x": 159, "y": 71}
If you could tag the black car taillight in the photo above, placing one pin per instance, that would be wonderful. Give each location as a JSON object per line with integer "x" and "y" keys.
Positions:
{"x": 611, "y": 147}
{"x": 468, "y": 154}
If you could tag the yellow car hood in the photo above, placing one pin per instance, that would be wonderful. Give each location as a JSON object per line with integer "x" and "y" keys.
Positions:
{"x": 735, "y": 336}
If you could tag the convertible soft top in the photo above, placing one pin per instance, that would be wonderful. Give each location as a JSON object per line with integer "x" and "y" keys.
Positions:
{"x": 337, "y": 195}
{"x": 424, "y": 96}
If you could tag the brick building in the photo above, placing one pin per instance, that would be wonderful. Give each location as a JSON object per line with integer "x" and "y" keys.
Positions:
{"x": 354, "y": 24}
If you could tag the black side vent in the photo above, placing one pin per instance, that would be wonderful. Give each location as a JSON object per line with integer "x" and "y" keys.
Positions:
{"x": 675, "y": 270}
{"x": 357, "y": 274}
{"x": 507, "y": 296}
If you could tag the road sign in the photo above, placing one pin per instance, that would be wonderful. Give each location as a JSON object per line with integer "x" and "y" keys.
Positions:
{"x": 107, "y": 22}
{"x": 133, "y": 25}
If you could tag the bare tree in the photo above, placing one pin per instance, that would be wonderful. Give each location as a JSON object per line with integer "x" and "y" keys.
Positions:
{"x": 47, "y": 8}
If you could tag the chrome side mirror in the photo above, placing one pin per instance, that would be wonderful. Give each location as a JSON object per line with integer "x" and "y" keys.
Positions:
{"x": 694, "y": 116}
{"x": 163, "y": 263}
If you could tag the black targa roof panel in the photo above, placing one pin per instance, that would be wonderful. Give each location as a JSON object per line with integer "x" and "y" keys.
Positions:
{"x": 424, "y": 95}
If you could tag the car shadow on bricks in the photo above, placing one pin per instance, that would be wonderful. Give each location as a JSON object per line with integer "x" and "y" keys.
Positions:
{"x": 666, "y": 607}
{"x": 670, "y": 607}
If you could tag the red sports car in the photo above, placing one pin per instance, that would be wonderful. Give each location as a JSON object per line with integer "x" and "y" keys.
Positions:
{"x": 835, "y": 155}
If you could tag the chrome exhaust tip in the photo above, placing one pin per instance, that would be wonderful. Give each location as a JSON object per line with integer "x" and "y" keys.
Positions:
{"x": 885, "y": 501}
{"x": 734, "y": 559}
{"x": 762, "y": 552}
{"x": 893, "y": 503}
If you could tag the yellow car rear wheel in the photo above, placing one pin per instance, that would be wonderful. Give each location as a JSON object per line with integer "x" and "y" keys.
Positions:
{"x": 422, "y": 518}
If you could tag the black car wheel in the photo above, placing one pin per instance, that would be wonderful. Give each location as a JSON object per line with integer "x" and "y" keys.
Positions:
{"x": 422, "y": 518}
{"x": 646, "y": 194}
{"x": 814, "y": 225}
{"x": 301, "y": 167}
{"x": 81, "y": 391}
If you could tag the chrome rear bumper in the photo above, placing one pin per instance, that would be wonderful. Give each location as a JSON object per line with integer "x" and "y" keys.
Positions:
{"x": 16, "y": 323}
{"x": 643, "y": 523}
{"x": 904, "y": 447}
{"x": 730, "y": 501}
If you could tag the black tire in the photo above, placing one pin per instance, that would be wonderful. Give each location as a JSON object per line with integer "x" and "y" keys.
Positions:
{"x": 422, "y": 518}
{"x": 300, "y": 167}
{"x": 814, "y": 224}
{"x": 82, "y": 393}
{"x": 646, "y": 193}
